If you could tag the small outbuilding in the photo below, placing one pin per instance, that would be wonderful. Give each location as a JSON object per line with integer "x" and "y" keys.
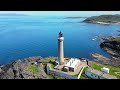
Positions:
{"x": 104, "y": 69}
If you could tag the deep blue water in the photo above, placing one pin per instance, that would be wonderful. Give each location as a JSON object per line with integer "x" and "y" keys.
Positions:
{"x": 26, "y": 36}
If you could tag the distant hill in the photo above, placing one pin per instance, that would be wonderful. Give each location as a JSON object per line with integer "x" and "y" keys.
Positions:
{"x": 12, "y": 14}
{"x": 103, "y": 19}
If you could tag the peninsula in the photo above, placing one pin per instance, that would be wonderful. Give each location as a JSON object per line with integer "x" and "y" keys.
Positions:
{"x": 103, "y": 19}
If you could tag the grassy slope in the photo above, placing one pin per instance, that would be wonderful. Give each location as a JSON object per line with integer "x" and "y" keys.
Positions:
{"x": 105, "y": 18}
{"x": 113, "y": 70}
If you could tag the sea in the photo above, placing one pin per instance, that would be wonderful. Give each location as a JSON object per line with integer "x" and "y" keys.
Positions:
{"x": 28, "y": 36}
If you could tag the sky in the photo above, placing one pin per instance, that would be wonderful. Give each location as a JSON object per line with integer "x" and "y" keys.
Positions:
{"x": 62, "y": 13}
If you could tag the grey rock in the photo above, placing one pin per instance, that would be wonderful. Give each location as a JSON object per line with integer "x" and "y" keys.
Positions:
{"x": 19, "y": 70}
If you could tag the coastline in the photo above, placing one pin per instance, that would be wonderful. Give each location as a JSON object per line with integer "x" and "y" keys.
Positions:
{"x": 104, "y": 23}
{"x": 101, "y": 23}
{"x": 103, "y": 19}
{"x": 111, "y": 46}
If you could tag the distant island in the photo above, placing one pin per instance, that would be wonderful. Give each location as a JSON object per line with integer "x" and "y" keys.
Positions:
{"x": 103, "y": 19}
{"x": 12, "y": 14}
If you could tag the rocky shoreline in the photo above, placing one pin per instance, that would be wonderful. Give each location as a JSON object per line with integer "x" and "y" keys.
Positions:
{"x": 113, "y": 61}
{"x": 112, "y": 46}
{"x": 101, "y": 23}
{"x": 28, "y": 68}
{"x": 94, "y": 22}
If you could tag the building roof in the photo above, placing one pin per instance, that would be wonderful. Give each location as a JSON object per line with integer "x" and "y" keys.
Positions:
{"x": 105, "y": 68}
{"x": 73, "y": 62}
{"x": 102, "y": 74}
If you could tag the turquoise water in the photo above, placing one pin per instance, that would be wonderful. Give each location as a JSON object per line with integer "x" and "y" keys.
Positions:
{"x": 26, "y": 36}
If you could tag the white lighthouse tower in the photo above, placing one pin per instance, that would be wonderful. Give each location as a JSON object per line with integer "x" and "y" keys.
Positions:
{"x": 60, "y": 49}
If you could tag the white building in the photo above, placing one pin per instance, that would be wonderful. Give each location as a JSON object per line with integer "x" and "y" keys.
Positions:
{"x": 95, "y": 74}
{"x": 104, "y": 69}
{"x": 72, "y": 65}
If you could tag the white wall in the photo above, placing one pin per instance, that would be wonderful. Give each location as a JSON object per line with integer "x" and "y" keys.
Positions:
{"x": 53, "y": 72}
{"x": 91, "y": 75}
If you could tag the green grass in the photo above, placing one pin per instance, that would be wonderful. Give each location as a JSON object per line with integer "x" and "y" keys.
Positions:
{"x": 85, "y": 69}
{"x": 33, "y": 69}
{"x": 54, "y": 77}
{"x": 105, "y": 18}
{"x": 96, "y": 66}
{"x": 116, "y": 39}
{"x": 52, "y": 66}
{"x": 47, "y": 60}
{"x": 58, "y": 77}
{"x": 83, "y": 77}
{"x": 113, "y": 70}
{"x": 50, "y": 77}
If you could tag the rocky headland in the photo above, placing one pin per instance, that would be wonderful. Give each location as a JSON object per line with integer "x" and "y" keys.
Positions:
{"x": 103, "y": 19}
{"x": 28, "y": 68}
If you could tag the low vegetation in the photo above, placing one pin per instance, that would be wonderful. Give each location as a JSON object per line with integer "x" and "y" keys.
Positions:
{"x": 52, "y": 66}
{"x": 54, "y": 77}
{"x": 47, "y": 60}
{"x": 116, "y": 39}
{"x": 58, "y": 77}
{"x": 104, "y": 18}
{"x": 34, "y": 69}
{"x": 115, "y": 71}
{"x": 50, "y": 77}
{"x": 83, "y": 77}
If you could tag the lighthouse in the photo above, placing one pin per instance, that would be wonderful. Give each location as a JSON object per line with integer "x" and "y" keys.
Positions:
{"x": 60, "y": 49}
